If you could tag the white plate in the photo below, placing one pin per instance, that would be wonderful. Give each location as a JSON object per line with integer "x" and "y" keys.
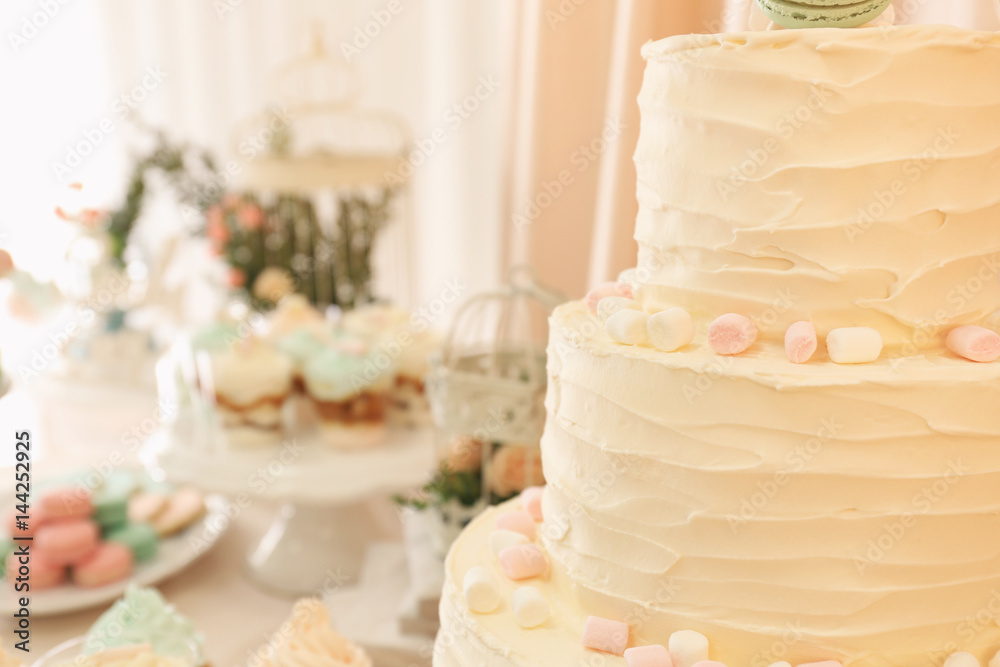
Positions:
{"x": 172, "y": 556}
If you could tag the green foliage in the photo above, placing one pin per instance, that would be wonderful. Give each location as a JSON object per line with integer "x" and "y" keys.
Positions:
{"x": 466, "y": 487}
{"x": 188, "y": 170}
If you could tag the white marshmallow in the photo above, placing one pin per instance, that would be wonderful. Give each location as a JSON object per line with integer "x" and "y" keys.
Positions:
{"x": 961, "y": 659}
{"x": 628, "y": 327}
{"x": 531, "y": 609}
{"x": 501, "y": 539}
{"x": 610, "y": 305}
{"x": 995, "y": 662}
{"x": 670, "y": 330}
{"x": 854, "y": 345}
{"x": 687, "y": 647}
{"x": 482, "y": 593}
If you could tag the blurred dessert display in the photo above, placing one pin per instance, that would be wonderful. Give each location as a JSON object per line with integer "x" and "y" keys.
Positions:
{"x": 294, "y": 370}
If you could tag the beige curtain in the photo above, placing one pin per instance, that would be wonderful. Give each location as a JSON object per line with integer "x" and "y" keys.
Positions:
{"x": 572, "y": 203}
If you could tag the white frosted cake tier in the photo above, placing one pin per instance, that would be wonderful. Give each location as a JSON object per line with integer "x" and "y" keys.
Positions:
{"x": 851, "y": 176}
{"x": 468, "y": 639}
{"x": 793, "y": 512}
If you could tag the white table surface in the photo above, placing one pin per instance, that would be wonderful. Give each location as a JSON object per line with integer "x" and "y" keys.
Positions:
{"x": 74, "y": 426}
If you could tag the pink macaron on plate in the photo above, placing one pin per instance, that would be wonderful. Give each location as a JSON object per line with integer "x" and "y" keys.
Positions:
{"x": 106, "y": 563}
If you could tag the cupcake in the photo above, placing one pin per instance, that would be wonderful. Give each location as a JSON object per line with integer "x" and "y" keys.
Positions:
{"x": 307, "y": 640}
{"x": 251, "y": 383}
{"x": 138, "y": 655}
{"x": 143, "y": 618}
{"x": 410, "y": 342}
{"x": 300, "y": 332}
{"x": 218, "y": 336}
{"x": 294, "y": 314}
{"x": 347, "y": 383}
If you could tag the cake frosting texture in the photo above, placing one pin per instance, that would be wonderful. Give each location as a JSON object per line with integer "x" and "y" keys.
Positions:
{"x": 798, "y": 512}
{"x": 851, "y": 177}
{"x": 855, "y": 503}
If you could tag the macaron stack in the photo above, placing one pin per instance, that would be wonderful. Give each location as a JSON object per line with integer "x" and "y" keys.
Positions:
{"x": 67, "y": 542}
{"x": 823, "y": 13}
{"x": 94, "y": 537}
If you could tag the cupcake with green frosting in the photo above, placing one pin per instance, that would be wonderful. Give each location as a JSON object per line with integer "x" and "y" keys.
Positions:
{"x": 412, "y": 342}
{"x": 347, "y": 382}
{"x": 143, "y": 618}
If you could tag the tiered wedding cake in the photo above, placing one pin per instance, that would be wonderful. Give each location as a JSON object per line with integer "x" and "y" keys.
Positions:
{"x": 795, "y": 512}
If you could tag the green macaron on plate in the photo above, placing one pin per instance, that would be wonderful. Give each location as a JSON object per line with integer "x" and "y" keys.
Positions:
{"x": 823, "y": 13}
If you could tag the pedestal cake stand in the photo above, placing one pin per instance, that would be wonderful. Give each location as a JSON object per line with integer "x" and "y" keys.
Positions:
{"x": 327, "y": 516}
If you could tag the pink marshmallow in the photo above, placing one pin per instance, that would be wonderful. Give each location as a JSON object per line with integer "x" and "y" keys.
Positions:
{"x": 605, "y": 290}
{"x": 975, "y": 343}
{"x": 801, "y": 342}
{"x": 66, "y": 502}
{"x": 519, "y": 522}
{"x": 824, "y": 663}
{"x": 648, "y": 656}
{"x": 602, "y": 634}
{"x": 732, "y": 334}
{"x": 708, "y": 663}
{"x": 523, "y": 561}
{"x": 531, "y": 501}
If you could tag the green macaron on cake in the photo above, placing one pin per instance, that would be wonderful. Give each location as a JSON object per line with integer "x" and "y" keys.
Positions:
{"x": 823, "y": 13}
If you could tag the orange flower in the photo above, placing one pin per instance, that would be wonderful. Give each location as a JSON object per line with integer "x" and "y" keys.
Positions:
{"x": 90, "y": 217}
{"x": 464, "y": 454}
{"x": 513, "y": 468}
{"x": 237, "y": 278}
{"x": 231, "y": 200}
{"x": 217, "y": 230}
{"x": 251, "y": 216}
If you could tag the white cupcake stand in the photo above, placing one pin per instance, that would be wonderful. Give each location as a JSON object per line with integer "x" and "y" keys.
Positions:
{"x": 333, "y": 502}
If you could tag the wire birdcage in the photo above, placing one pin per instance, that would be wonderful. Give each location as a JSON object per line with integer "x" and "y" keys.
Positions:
{"x": 487, "y": 389}
{"x": 320, "y": 178}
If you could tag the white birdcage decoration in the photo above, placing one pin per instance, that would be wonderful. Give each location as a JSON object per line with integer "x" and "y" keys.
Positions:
{"x": 324, "y": 174}
{"x": 487, "y": 389}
